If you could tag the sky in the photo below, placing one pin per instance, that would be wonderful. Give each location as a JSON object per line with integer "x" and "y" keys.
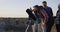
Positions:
{"x": 17, "y": 8}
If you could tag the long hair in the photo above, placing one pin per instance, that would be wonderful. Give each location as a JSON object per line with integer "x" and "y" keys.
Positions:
{"x": 41, "y": 9}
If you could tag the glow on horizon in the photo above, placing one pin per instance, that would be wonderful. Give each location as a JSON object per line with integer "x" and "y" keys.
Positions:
{"x": 16, "y": 8}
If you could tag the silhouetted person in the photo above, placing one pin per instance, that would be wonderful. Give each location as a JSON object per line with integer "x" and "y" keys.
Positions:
{"x": 58, "y": 19}
{"x": 49, "y": 12}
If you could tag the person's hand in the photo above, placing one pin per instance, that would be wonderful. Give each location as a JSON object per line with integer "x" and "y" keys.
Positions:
{"x": 43, "y": 24}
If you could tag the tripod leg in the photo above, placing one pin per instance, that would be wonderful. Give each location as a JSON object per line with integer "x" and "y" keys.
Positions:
{"x": 27, "y": 28}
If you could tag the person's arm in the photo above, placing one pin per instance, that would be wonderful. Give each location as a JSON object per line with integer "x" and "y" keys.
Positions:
{"x": 44, "y": 17}
{"x": 51, "y": 12}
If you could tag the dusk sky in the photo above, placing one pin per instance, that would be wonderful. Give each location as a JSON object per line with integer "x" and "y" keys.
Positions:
{"x": 17, "y": 8}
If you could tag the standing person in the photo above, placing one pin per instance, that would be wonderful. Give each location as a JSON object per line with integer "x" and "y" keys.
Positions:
{"x": 49, "y": 12}
{"x": 58, "y": 19}
{"x": 40, "y": 15}
{"x": 38, "y": 20}
{"x": 44, "y": 19}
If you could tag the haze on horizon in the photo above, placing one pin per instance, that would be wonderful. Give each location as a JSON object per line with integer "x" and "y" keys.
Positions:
{"x": 16, "y": 8}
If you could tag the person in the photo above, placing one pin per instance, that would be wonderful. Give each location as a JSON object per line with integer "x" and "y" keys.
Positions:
{"x": 38, "y": 20}
{"x": 44, "y": 19}
{"x": 49, "y": 12}
{"x": 58, "y": 19}
{"x": 41, "y": 16}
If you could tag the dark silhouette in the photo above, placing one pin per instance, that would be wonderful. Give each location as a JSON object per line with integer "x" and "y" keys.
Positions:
{"x": 31, "y": 15}
{"x": 58, "y": 19}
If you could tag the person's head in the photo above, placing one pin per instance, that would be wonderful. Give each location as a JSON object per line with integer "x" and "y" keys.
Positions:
{"x": 44, "y": 3}
{"x": 36, "y": 7}
{"x": 41, "y": 7}
{"x": 59, "y": 6}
